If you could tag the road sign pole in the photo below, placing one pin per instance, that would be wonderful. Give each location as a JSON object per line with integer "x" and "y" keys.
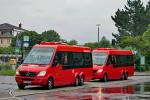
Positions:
{"x": 22, "y": 51}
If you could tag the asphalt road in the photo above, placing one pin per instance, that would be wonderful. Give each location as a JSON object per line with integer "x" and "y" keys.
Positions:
{"x": 135, "y": 88}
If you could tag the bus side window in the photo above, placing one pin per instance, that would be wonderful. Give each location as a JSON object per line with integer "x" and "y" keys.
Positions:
{"x": 67, "y": 60}
{"x": 78, "y": 60}
{"x": 109, "y": 61}
{"x": 57, "y": 59}
{"x": 87, "y": 60}
{"x": 64, "y": 59}
{"x": 114, "y": 61}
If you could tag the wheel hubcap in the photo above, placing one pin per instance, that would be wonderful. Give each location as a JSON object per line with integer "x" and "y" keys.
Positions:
{"x": 50, "y": 84}
{"x": 82, "y": 80}
{"x": 77, "y": 81}
{"x": 105, "y": 78}
{"x": 123, "y": 76}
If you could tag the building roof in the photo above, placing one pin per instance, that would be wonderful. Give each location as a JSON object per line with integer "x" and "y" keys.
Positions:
{"x": 6, "y": 26}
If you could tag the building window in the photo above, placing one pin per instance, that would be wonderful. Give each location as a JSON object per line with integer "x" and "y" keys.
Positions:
{"x": 8, "y": 41}
{"x": 2, "y": 33}
{"x": 7, "y": 33}
{"x": 1, "y": 41}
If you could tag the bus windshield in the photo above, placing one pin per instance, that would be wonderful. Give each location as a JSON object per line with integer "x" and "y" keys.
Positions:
{"x": 99, "y": 58}
{"x": 39, "y": 56}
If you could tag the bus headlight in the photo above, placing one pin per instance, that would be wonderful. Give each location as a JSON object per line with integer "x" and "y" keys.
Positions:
{"x": 100, "y": 70}
{"x": 42, "y": 73}
{"x": 17, "y": 72}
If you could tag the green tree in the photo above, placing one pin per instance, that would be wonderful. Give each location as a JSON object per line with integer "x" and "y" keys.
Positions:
{"x": 146, "y": 37}
{"x": 104, "y": 43}
{"x": 34, "y": 38}
{"x": 132, "y": 20}
{"x": 7, "y": 50}
{"x": 129, "y": 41}
{"x": 72, "y": 42}
{"x": 91, "y": 45}
{"x": 141, "y": 43}
{"x": 50, "y": 35}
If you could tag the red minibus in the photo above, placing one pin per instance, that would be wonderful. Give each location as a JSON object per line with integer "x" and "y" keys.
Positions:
{"x": 55, "y": 64}
{"x": 110, "y": 63}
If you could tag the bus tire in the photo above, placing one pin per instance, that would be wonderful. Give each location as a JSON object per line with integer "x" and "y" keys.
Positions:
{"x": 21, "y": 86}
{"x": 105, "y": 78}
{"x": 81, "y": 80}
{"x": 50, "y": 83}
{"x": 123, "y": 76}
{"x": 77, "y": 81}
{"x": 126, "y": 76}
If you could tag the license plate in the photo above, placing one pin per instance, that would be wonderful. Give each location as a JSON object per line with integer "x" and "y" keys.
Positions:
{"x": 27, "y": 82}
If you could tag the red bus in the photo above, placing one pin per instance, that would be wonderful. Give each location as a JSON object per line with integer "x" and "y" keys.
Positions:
{"x": 55, "y": 64}
{"x": 111, "y": 64}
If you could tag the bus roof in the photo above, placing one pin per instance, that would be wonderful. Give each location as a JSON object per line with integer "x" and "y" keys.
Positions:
{"x": 63, "y": 47}
{"x": 113, "y": 51}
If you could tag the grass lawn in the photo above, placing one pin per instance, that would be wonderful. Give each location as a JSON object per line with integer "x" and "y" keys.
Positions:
{"x": 7, "y": 72}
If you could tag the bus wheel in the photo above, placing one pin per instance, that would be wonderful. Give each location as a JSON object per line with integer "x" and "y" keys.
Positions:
{"x": 21, "y": 86}
{"x": 81, "y": 81}
{"x": 50, "y": 83}
{"x": 77, "y": 81}
{"x": 126, "y": 76}
{"x": 105, "y": 78}
{"x": 123, "y": 76}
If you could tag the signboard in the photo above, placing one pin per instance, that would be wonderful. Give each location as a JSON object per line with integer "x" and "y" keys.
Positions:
{"x": 142, "y": 60}
{"x": 13, "y": 61}
{"x": 26, "y": 44}
{"x": 26, "y": 41}
{"x": 18, "y": 43}
{"x": 26, "y": 38}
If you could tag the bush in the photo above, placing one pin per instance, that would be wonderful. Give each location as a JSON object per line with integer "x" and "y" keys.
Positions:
{"x": 5, "y": 67}
{"x": 7, "y": 50}
{"x": 141, "y": 68}
{"x": 8, "y": 72}
{"x": 147, "y": 67}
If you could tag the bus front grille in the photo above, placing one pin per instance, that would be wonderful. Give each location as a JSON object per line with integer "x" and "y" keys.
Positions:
{"x": 28, "y": 74}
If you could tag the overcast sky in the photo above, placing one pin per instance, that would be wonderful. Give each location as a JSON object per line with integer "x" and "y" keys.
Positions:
{"x": 72, "y": 19}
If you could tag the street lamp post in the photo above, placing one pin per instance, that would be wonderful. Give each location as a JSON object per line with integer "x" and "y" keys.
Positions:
{"x": 98, "y": 31}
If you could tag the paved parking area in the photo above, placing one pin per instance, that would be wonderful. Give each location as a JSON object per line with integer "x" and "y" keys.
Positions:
{"x": 93, "y": 90}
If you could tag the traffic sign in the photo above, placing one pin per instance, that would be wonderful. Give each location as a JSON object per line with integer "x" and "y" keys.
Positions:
{"x": 26, "y": 38}
{"x": 18, "y": 43}
{"x": 25, "y": 44}
{"x": 26, "y": 41}
{"x": 142, "y": 60}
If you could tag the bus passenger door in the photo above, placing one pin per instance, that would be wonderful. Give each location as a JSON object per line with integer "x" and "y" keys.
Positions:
{"x": 115, "y": 69}
{"x": 58, "y": 74}
{"x": 110, "y": 67}
{"x": 67, "y": 64}
{"x": 57, "y": 69}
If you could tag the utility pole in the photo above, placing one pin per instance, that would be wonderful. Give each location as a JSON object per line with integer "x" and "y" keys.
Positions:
{"x": 98, "y": 31}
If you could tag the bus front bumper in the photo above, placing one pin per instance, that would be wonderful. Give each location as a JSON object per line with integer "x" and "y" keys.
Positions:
{"x": 31, "y": 80}
{"x": 98, "y": 75}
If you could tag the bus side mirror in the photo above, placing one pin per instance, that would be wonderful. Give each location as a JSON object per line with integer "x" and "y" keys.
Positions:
{"x": 54, "y": 64}
{"x": 108, "y": 63}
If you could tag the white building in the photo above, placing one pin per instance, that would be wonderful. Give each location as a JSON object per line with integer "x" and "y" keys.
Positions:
{"x": 7, "y": 31}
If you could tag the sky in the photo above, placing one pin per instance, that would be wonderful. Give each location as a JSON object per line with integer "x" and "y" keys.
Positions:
{"x": 72, "y": 19}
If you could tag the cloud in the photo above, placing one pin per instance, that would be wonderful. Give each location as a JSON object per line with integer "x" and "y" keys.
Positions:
{"x": 73, "y": 19}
